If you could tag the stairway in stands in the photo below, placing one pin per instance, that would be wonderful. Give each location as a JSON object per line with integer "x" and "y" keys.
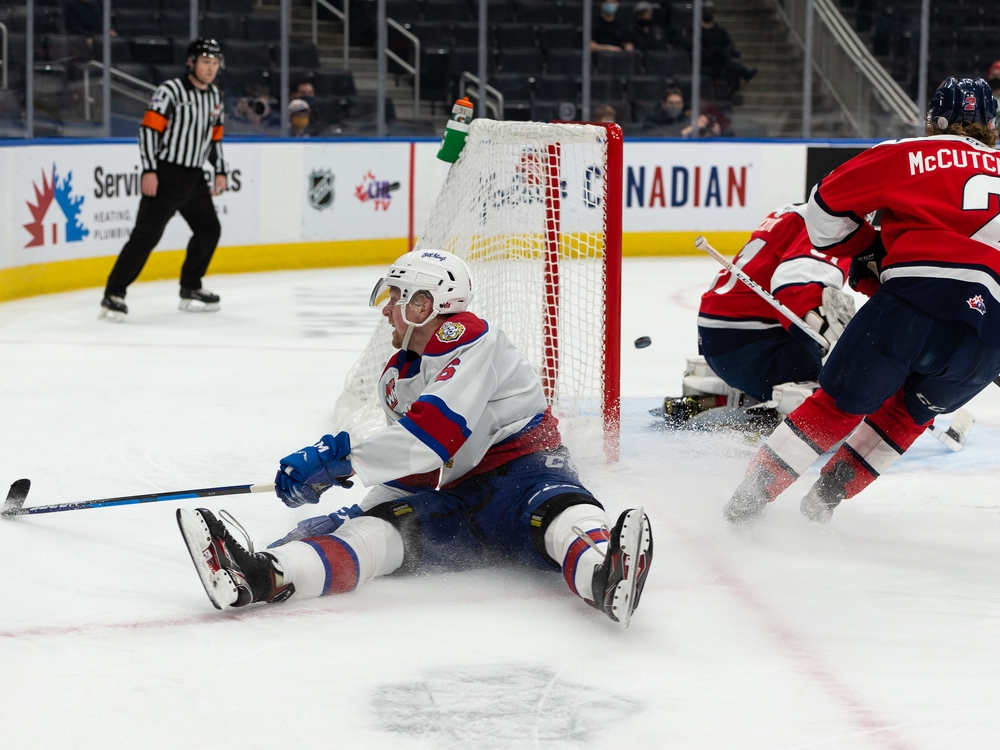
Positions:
{"x": 774, "y": 97}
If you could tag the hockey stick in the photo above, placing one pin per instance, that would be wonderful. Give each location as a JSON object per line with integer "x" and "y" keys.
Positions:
{"x": 953, "y": 437}
{"x": 14, "y": 504}
{"x": 702, "y": 244}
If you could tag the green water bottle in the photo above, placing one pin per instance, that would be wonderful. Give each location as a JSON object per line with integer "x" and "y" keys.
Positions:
{"x": 456, "y": 132}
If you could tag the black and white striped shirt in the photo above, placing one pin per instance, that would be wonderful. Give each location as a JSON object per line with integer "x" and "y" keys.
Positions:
{"x": 183, "y": 126}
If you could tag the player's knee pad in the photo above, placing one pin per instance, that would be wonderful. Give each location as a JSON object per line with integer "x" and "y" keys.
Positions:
{"x": 401, "y": 515}
{"x": 543, "y": 516}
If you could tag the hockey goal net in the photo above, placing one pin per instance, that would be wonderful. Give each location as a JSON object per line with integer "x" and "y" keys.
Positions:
{"x": 535, "y": 210}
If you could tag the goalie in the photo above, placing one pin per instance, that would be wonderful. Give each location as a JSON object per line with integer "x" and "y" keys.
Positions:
{"x": 748, "y": 347}
{"x": 470, "y": 468}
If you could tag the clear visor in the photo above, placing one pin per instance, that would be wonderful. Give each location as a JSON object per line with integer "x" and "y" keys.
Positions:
{"x": 381, "y": 294}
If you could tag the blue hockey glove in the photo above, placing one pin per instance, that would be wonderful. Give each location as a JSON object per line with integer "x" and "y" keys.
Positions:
{"x": 319, "y": 525}
{"x": 306, "y": 474}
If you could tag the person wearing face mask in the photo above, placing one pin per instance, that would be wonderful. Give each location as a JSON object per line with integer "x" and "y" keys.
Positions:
{"x": 644, "y": 34}
{"x": 608, "y": 34}
{"x": 719, "y": 57}
{"x": 669, "y": 119}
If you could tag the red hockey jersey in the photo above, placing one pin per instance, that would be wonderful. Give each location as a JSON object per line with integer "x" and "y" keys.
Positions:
{"x": 940, "y": 226}
{"x": 780, "y": 258}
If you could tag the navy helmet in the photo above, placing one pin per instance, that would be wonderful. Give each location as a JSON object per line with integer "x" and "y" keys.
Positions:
{"x": 204, "y": 47}
{"x": 962, "y": 100}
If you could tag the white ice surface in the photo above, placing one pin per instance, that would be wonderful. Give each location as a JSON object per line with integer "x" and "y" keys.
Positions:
{"x": 880, "y": 630}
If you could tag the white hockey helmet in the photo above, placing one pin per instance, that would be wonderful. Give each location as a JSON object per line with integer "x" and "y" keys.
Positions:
{"x": 444, "y": 276}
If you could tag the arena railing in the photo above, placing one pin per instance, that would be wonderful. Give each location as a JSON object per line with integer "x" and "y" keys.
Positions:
{"x": 3, "y": 56}
{"x": 494, "y": 99}
{"x": 88, "y": 100}
{"x": 871, "y": 101}
{"x": 413, "y": 70}
{"x": 344, "y": 16}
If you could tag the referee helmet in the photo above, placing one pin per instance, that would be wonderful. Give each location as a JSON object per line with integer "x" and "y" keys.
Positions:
{"x": 204, "y": 47}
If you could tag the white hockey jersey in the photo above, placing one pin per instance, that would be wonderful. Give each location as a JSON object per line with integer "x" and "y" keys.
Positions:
{"x": 470, "y": 403}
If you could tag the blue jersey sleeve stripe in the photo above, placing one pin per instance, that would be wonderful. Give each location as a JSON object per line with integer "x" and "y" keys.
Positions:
{"x": 447, "y": 413}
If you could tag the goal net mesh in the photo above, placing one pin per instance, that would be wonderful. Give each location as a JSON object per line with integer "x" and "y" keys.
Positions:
{"x": 524, "y": 207}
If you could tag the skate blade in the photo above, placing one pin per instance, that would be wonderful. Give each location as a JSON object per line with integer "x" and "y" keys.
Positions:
{"x": 637, "y": 549}
{"x": 112, "y": 316}
{"x": 190, "y": 305}
{"x": 219, "y": 586}
{"x": 954, "y": 437}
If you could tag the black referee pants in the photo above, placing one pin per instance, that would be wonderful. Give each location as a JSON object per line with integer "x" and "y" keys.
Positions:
{"x": 180, "y": 189}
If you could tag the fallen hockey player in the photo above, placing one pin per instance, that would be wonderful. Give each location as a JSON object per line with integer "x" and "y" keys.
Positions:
{"x": 748, "y": 348}
{"x": 469, "y": 468}
{"x": 928, "y": 340}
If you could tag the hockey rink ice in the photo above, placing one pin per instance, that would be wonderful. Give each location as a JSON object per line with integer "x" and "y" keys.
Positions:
{"x": 879, "y": 630}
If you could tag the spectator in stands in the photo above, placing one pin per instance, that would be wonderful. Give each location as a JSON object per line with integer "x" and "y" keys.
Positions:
{"x": 669, "y": 119}
{"x": 608, "y": 34}
{"x": 303, "y": 89}
{"x": 644, "y": 34}
{"x": 712, "y": 123}
{"x": 298, "y": 117}
{"x": 256, "y": 107}
{"x": 605, "y": 113}
{"x": 719, "y": 57}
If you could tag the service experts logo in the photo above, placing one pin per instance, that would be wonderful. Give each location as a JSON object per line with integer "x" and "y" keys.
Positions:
{"x": 55, "y": 212}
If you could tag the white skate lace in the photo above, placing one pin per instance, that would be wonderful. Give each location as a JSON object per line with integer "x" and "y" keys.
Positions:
{"x": 581, "y": 535}
{"x": 226, "y": 516}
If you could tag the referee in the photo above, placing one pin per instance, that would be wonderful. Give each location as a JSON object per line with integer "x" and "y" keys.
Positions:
{"x": 181, "y": 129}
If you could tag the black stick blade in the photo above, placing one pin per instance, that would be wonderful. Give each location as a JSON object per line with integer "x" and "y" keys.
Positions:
{"x": 16, "y": 496}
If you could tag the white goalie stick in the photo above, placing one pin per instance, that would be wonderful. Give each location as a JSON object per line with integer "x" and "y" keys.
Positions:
{"x": 953, "y": 437}
{"x": 702, "y": 244}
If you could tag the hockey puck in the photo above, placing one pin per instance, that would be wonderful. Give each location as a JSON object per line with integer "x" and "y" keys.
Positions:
{"x": 642, "y": 342}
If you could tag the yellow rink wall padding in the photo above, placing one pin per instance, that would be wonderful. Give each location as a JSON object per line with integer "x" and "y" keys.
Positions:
{"x": 66, "y": 275}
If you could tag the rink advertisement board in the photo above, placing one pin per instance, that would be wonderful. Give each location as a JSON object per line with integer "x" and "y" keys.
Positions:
{"x": 67, "y": 208}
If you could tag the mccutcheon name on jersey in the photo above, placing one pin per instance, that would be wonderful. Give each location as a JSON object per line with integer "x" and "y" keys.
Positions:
{"x": 948, "y": 158}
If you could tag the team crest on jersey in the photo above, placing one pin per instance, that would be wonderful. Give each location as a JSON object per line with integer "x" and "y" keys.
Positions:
{"x": 450, "y": 332}
{"x": 977, "y": 303}
{"x": 390, "y": 394}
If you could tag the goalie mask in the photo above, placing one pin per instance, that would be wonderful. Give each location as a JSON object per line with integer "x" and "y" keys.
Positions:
{"x": 445, "y": 277}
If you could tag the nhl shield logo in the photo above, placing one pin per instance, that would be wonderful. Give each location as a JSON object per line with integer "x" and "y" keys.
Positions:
{"x": 321, "y": 189}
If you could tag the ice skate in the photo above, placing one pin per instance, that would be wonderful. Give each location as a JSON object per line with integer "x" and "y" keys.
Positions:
{"x": 618, "y": 581}
{"x": 750, "y": 498}
{"x": 232, "y": 577}
{"x": 827, "y": 493}
{"x": 198, "y": 300}
{"x": 113, "y": 309}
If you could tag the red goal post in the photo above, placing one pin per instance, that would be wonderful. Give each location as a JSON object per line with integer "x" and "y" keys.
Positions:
{"x": 535, "y": 209}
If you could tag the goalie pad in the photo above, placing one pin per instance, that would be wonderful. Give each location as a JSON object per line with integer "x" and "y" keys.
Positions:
{"x": 786, "y": 397}
{"x": 700, "y": 380}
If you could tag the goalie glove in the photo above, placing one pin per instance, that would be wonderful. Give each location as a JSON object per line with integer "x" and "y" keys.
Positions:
{"x": 306, "y": 474}
{"x": 866, "y": 267}
{"x": 830, "y": 318}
